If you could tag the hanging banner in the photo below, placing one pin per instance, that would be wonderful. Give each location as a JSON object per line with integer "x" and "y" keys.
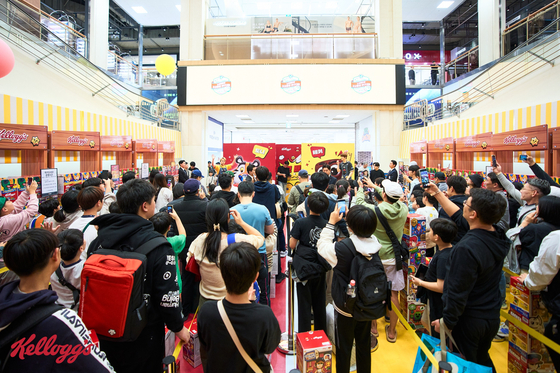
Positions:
{"x": 292, "y": 154}
{"x": 238, "y": 156}
{"x": 314, "y": 156}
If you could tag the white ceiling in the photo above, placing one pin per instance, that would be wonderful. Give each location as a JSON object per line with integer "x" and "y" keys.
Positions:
{"x": 427, "y": 10}
{"x": 165, "y": 12}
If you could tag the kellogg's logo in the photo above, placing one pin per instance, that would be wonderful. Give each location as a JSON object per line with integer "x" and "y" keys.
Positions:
{"x": 290, "y": 84}
{"x": 13, "y": 137}
{"x": 221, "y": 85}
{"x": 76, "y": 140}
{"x": 514, "y": 140}
{"x": 471, "y": 144}
{"x": 286, "y": 149}
{"x": 361, "y": 84}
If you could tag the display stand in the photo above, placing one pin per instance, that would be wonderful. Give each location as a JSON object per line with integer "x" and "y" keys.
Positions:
{"x": 417, "y": 151}
{"x": 168, "y": 150}
{"x": 32, "y": 141}
{"x": 554, "y": 167}
{"x": 436, "y": 149}
{"x": 121, "y": 145}
{"x": 504, "y": 144}
{"x": 144, "y": 151}
{"x": 87, "y": 143}
{"x": 465, "y": 147}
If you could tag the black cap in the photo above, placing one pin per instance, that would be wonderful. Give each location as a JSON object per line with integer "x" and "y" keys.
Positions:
{"x": 477, "y": 180}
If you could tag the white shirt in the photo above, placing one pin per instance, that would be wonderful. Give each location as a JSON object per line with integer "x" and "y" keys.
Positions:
{"x": 164, "y": 197}
{"x": 89, "y": 235}
{"x": 545, "y": 266}
{"x": 429, "y": 212}
{"x": 72, "y": 274}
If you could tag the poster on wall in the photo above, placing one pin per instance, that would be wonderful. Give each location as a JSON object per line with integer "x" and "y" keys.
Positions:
{"x": 292, "y": 154}
{"x": 238, "y": 156}
{"x": 49, "y": 182}
{"x": 314, "y": 156}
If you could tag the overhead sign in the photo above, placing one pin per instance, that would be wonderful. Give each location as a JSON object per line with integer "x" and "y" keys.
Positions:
{"x": 20, "y": 137}
{"x": 74, "y": 140}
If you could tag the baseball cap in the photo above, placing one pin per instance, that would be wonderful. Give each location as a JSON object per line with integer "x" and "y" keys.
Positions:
{"x": 392, "y": 189}
{"x": 191, "y": 186}
{"x": 3, "y": 201}
{"x": 440, "y": 175}
{"x": 303, "y": 173}
{"x": 477, "y": 180}
{"x": 197, "y": 173}
{"x": 413, "y": 163}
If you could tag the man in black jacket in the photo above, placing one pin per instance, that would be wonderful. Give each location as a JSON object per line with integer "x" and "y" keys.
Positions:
{"x": 376, "y": 172}
{"x": 393, "y": 174}
{"x": 192, "y": 212}
{"x": 225, "y": 180}
{"x": 456, "y": 188}
{"x": 471, "y": 293}
{"x": 327, "y": 170}
{"x": 136, "y": 200}
{"x": 183, "y": 171}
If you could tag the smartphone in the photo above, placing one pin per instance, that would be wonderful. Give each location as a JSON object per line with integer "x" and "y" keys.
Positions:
{"x": 494, "y": 164}
{"x": 169, "y": 209}
{"x": 30, "y": 179}
{"x": 424, "y": 178}
{"x": 523, "y": 157}
{"x": 342, "y": 206}
{"x": 421, "y": 272}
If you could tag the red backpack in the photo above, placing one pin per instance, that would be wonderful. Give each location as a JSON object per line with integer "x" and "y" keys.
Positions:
{"x": 112, "y": 291}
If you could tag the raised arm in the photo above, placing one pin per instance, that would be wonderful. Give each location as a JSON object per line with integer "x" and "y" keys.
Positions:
{"x": 449, "y": 207}
{"x": 508, "y": 186}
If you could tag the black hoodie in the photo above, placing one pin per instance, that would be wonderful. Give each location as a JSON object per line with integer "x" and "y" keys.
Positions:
{"x": 64, "y": 329}
{"x": 163, "y": 290}
{"x": 267, "y": 194}
{"x": 227, "y": 195}
{"x": 474, "y": 270}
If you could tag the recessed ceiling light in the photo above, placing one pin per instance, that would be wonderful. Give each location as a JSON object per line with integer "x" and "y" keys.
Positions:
{"x": 445, "y": 4}
{"x": 178, "y": 7}
{"x": 292, "y": 115}
{"x": 242, "y": 116}
{"x": 139, "y": 9}
{"x": 342, "y": 116}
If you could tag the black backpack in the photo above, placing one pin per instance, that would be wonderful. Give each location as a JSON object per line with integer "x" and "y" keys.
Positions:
{"x": 301, "y": 198}
{"x": 373, "y": 291}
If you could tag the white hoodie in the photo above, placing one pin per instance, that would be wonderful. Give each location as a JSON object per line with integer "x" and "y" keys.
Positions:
{"x": 326, "y": 247}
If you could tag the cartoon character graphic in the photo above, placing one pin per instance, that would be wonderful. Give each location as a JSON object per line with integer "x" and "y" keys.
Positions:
{"x": 320, "y": 365}
{"x": 35, "y": 141}
{"x": 534, "y": 361}
{"x": 537, "y": 324}
{"x": 239, "y": 168}
{"x": 534, "y": 141}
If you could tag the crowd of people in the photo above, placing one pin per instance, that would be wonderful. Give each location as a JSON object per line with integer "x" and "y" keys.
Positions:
{"x": 209, "y": 252}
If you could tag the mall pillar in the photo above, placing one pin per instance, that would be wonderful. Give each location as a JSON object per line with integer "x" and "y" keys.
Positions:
{"x": 489, "y": 26}
{"x": 193, "y": 137}
{"x": 193, "y": 19}
{"x": 387, "y": 127}
{"x": 98, "y": 41}
{"x": 388, "y": 26}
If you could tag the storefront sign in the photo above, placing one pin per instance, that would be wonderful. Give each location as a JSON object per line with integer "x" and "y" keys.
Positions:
{"x": 116, "y": 143}
{"x": 529, "y": 139}
{"x": 72, "y": 140}
{"x": 441, "y": 146}
{"x": 419, "y": 147}
{"x": 474, "y": 143}
{"x": 146, "y": 146}
{"x": 166, "y": 146}
{"x": 22, "y": 137}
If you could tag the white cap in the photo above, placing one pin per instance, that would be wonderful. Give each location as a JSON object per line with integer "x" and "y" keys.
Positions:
{"x": 413, "y": 163}
{"x": 392, "y": 189}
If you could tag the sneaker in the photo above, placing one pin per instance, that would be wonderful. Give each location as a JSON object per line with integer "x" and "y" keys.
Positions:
{"x": 283, "y": 254}
{"x": 505, "y": 305}
{"x": 503, "y": 333}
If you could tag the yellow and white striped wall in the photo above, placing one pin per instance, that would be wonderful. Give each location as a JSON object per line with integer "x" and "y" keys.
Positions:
{"x": 16, "y": 110}
{"x": 525, "y": 117}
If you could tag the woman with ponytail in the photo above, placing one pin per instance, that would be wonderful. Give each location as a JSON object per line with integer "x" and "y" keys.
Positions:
{"x": 207, "y": 247}
{"x": 164, "y": 195}
{"x": 69, "y": 211}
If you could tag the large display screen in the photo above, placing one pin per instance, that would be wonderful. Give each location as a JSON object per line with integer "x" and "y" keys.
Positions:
{"x": 293, "y": 84}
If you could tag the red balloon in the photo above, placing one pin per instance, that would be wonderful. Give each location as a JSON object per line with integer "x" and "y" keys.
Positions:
{"x": 7, "y": 59}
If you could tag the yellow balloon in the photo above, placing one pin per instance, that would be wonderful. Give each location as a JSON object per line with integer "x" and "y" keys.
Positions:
{"x": 165, "y": 64}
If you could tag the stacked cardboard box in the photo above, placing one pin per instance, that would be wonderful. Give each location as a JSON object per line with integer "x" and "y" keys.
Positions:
{"x": 526, "y": 354}
{"x": 314, "y": 352}
{"x": 191, "y": 350}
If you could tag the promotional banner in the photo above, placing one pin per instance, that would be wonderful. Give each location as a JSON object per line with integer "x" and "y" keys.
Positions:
{"x": 238, "y": 156}
{"x": 292, "y": 154}
{"x": 314, "y": 156}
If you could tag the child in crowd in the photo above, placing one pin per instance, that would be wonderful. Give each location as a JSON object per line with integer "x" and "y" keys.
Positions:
{"x": 162, "y": 224}
{"x": 441, "y": 233}
{"x": 424, "y": 205}
{"x": 46, "y": 210}
{"x": 362, "y": 222}
{"x": 13, "y": 216}
{"x": 90, "y": 200}
{"x": 259, "y": 334}
{"x": 65, "y": 281}
{"x": 309, "y": 266}
{"x": 34, "y": 255}
{"x": 69, "y": 211}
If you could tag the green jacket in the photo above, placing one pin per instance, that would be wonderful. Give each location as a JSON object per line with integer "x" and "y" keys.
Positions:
{"x": 395, "y": 214}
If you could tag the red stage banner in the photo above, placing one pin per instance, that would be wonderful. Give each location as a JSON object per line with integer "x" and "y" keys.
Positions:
{"x": 240, "y": 155}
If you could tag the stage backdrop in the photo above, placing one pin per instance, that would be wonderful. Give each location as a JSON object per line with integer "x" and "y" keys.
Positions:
{"x": 314, "y": 156}
{"x": 292, "y": 154}
{"x": 242, "y": 154}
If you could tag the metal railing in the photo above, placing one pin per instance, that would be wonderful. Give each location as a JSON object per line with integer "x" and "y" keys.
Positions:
{"x": 290, "y": 46}
{"x": 151, "y": 78}
{"x": 464, "y": 63}
{"x": 125, "y": 70}
{"x": 526, "y": 28}
{"x": 539, "y": 51}
{"x": 21, "y": 26}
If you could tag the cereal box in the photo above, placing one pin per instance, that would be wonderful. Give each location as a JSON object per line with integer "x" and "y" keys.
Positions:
{"x": 191, "y": 350}
{"x": 314, "y": 352}
{"x": 415, "y": 231}
{"x": 9, "y": 189}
